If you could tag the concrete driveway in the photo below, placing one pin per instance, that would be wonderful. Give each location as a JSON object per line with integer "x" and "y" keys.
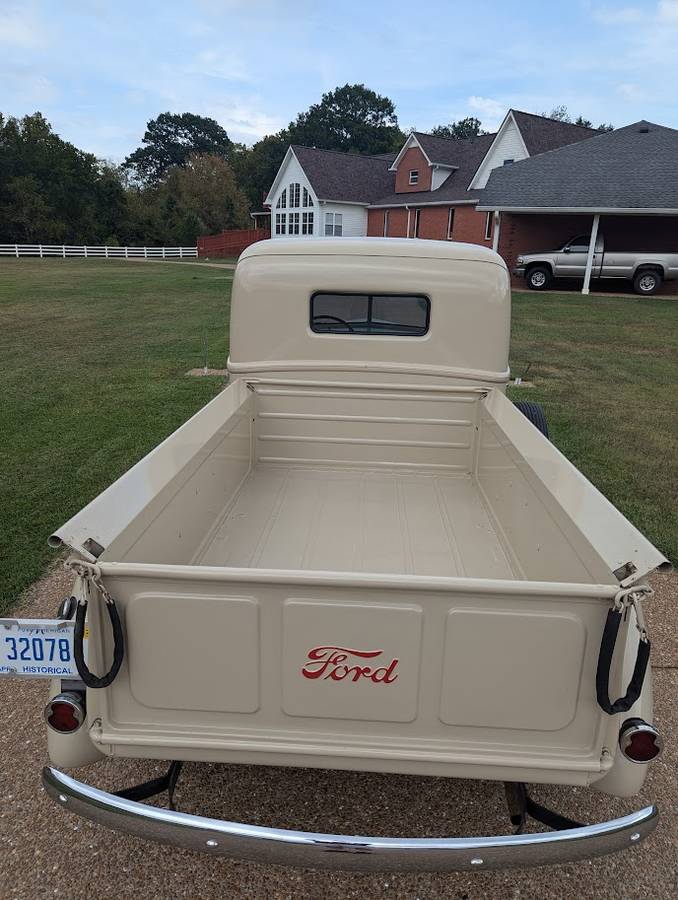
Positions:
{"x": 45, "y": 852}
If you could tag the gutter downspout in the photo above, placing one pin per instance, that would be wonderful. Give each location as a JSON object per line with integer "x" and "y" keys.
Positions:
{"x": 495, "y": 235}
{"x": 590, "y": 254}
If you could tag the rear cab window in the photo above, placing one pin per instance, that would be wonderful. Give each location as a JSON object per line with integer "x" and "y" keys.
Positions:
{"x": 402, "y": 315}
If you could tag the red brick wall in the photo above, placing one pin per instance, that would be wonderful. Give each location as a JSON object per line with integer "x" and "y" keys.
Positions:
{"x": 469, "y": 226}
{"x": 375, "y": 222}
{"x": 413, "y": 159}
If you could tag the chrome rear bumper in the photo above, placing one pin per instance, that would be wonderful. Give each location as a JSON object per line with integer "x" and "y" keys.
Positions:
{"x": 276, "y": 846}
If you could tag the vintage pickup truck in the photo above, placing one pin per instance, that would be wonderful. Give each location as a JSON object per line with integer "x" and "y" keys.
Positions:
{"x": 359, "y": 555}
{"x": 646, "y": 271}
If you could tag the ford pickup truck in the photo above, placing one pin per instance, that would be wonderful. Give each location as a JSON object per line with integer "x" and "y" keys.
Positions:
{"x": 360, "y": 555}
{"x": 646, "y": 271}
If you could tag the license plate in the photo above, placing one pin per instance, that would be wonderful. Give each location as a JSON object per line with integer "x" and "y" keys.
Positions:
{"x": 37, "y": 648}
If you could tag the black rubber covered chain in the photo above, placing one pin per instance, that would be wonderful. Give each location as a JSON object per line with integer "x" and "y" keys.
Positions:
{"x": 607, "y": 644}
{"x": 90, "y": 679}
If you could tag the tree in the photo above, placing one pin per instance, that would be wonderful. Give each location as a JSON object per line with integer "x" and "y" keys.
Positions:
{"x": 171, "y": 139}
{"x": 256, "y": 168}
{"x": 560, "y": 114}
{"x": 201, "y": 197}
{"x": 461, "y": 130}
{"x": 51, "y": 191}
{"x": 352, "y": 119}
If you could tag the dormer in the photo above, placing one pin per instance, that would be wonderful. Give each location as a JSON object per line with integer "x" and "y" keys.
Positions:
{"x": 415, "y": 169}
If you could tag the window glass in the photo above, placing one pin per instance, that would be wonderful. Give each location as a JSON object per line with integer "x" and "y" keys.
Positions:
{"x": 488, "y": 225}
{"x": 374, "y": 314}
{"x": 306, "y": 199}
{"x": 293, "y": 223}
{"x": 280, "y": 223}
{"x": 307, "y": 223}
{"x": 338, "y": 224}
{"x": 282, "y": 200}
{"x": 417, "y": 219}
{"x": 414, "y": 176}
{"x": 385, "y": 223}
{"x": 580, "y": 244}
{"x": 295, "y": 193}
{"x": 333, "y": 224}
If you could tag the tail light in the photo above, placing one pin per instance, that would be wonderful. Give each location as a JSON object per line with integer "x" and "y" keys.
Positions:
{"x": 65, "y": 713}
{"x": 640, "y": 742}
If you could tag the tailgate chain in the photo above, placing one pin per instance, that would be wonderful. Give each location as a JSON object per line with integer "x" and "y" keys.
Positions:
{"x": 625, "y": 598}
{"x": 90, "y": 576}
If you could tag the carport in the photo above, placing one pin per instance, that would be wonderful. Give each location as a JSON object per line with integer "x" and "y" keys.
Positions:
{"x": 623, "y": 183}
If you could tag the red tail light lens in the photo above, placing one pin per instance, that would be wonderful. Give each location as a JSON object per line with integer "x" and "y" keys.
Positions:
{"x": 640, "y": 742}
{"x": 65, "y": 713}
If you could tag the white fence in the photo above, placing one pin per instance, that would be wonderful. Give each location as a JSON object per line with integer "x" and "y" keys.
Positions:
{"x": 64, "y": 250}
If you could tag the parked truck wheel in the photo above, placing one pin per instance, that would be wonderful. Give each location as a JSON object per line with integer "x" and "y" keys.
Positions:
{"x": 538, "y": 278}
{"x": 647, "y": 281}
{"x": 535, "y": 413}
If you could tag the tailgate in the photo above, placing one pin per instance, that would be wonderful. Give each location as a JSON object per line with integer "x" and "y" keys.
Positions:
{"x": 450, "y": 676}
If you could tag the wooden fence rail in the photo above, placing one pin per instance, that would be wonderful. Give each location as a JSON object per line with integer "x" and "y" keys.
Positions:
{"x": 86, "y": 252}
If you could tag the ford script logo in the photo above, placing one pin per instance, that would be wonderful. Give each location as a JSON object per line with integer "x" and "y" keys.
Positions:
{"x": 339, "y": 663}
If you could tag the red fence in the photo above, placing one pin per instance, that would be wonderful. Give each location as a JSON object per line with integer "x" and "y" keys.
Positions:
{"x": 230, "y": 243}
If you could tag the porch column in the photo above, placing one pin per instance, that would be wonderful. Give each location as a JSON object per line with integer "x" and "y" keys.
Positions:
{"x": 495, "y": 233}
{"x": 592, "y": 250}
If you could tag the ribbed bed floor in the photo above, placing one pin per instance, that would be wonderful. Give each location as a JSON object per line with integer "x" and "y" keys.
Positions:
{"x": 357, "y": 521}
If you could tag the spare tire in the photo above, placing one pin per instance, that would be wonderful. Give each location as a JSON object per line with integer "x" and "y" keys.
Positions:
{"x": 535, "y": 413}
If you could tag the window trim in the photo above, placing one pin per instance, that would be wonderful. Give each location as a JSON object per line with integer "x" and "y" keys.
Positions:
{"x": 334, "y": 224}
{"x": 414, "y": 176}
{"x": 450, "y": 223}
{"x": 386, "y": 223}
{"x": 489, "y": 219}
{"x": 370, "y": 297}
{"x": 417, "y": 223}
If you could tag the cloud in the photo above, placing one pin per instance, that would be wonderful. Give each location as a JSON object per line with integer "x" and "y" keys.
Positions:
{"x": 668, "y": 11}
{"x": 19, "y": 28}
{"x": 631, "y": 92}
{"x": 492, "y": 108}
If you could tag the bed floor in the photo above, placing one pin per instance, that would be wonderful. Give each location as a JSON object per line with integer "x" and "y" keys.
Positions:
{"x": 357, "y": 521}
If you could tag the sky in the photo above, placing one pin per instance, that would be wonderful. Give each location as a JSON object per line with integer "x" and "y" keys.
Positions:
{"x": 100, "y": 69}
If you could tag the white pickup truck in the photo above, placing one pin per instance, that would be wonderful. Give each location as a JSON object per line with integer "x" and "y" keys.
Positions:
{"x": 360, "y": 555}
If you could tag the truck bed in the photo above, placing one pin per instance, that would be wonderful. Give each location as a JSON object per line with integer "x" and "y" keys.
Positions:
{"x": 361, "y": 520}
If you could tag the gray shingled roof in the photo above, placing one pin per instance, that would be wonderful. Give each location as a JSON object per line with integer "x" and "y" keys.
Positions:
{"x": 465, "y": 154}
{"x": 542, "y": 134}
{"x": 635, "y": 167}
{"x": 346, "y": 177}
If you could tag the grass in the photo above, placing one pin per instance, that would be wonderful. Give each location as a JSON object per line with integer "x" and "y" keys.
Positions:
{"x": 94, "y": 356}
{"x": 606, "y": 370}
{"x": 94, "y": 359}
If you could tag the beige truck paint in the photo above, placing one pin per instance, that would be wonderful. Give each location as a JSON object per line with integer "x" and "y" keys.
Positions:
{"x": 361, "y": 555}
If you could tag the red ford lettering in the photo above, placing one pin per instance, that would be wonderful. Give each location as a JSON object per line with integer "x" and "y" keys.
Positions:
{"x": 340, "y": 663}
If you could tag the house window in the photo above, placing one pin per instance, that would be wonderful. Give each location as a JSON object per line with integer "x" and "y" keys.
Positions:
{"x": 507, "y": 162}
{"x": 405, "y": 315}
{"x": 306, "y": 197}
{"x": 385, "y": 223}
{"x": 282, "y": 200}
{"x": 450, "y": 223}
{"x": 280, "y": 221}
{"x": 334, "y": 224}
{"x": 295, "y": 194}
{"x": 293, "y": 223}
{"x": 417, "y": 217}
{"x": 488, "y": 225}
{"x": 414, "y": 176}
{"x": 307, "y": 223}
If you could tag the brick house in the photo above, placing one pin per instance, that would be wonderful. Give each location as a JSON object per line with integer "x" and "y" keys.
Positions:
{"x": 429, "y": 189}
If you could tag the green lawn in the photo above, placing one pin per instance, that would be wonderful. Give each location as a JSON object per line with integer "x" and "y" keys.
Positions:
{"x": 94, "y": 356}
{"x": 606, "y": 371}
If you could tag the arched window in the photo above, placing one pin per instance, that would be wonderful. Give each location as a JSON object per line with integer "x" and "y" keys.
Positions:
{"x": 307, "y": 200}
{"x": 295, "y": 192}
{"x": 282, "y": 200}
